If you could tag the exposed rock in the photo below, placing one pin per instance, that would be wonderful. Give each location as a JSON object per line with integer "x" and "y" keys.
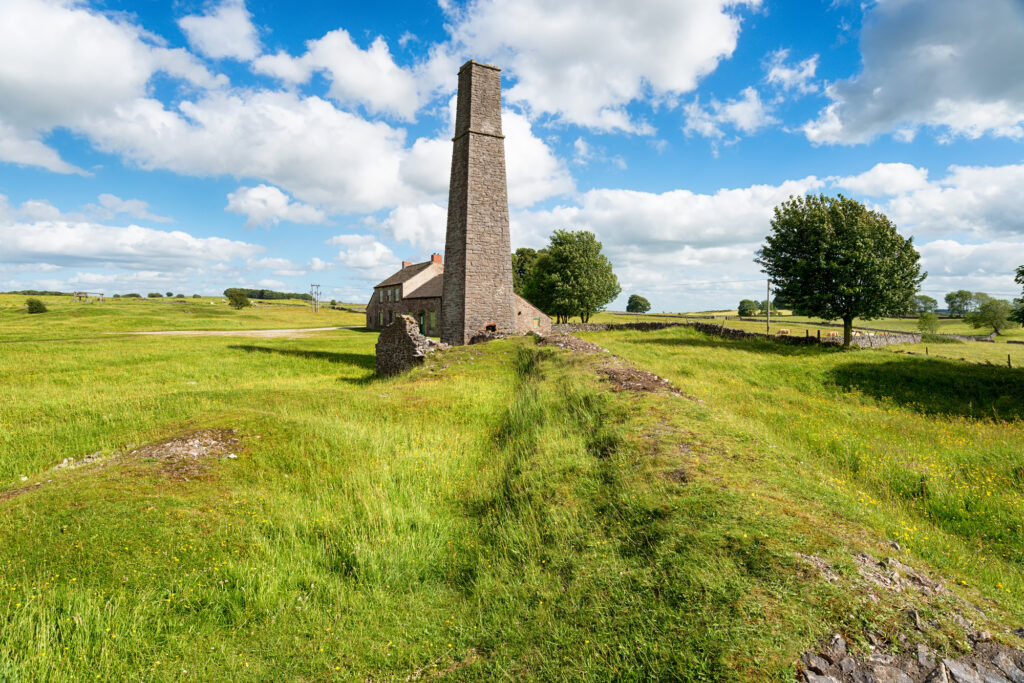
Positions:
{"x": 401, "y": 347}
{"x": 815, "y": 678}
{"x": 1008, "y": 667}
{"x": 925, "y": 656}
{"x": 486, "y": 336}
{"x": 962, "y": 673}
{"x": 937, "y": 676}
{"x": 816, "y": 664}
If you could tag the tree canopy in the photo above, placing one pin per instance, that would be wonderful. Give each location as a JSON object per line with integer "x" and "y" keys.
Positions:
{"x": 237, "y": 298}
{"x": 571, "y": 277}
{"x": 637, "y": 304}
{"x": 523, "y": 259}
{"x": 1018, "y": 304}
{"x": 959, "y": 303}
{"x": 832, "y": 257}
{"x": 747, "y": 307}
{"x": 925, "y": 304}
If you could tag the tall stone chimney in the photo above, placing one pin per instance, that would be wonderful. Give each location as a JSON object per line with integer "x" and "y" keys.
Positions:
{"x": 478, "y": 267}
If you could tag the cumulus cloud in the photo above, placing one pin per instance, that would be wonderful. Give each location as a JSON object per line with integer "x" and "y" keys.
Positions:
{"x": 265, "y": 205}
{"x": 885, "y": 180}
{"x": 366, "y": 255}
{"x": 746, "y": 114}
{"x": 280, "y": 266}
{"x": 934, "y": 63}
{"x": 798, "y": 77}
{"x": 225, "y": 31}
{"x": 584, "y": 61}
{"x": 64, "y": 65}
{"x": 422, "y": 225}
{"x": 81, "y": 244}
{"x": 368, "y": 77}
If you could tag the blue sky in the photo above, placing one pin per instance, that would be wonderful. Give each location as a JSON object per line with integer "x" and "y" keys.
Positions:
{"x": 193, "y": 146}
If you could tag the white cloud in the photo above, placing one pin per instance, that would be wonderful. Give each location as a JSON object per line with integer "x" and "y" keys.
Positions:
{"x": 64, "y": 65}
{"x": 368, "y": 77}
{"x": 534, "y": 172}
{"x": 82, "y": 244}
{"x": 111, "y": 205}
{"x": 265, "y": 205}
{"x": 225, "y": 31}
{"x": 798, "y": 77}
{"x": 885, "y": 180}
{"x": 747, "y": 114}
{"x": 366, "y": 255}
{"x": 280, "y": 266}
{"x": 422, "y": 225}
{"x": 317, "y": 265}
{"x": 934, "y": 63}
{"x": 584, "y": 61}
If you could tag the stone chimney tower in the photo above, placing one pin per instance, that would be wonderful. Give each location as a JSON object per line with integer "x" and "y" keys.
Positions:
{"x": 478, "y": 268}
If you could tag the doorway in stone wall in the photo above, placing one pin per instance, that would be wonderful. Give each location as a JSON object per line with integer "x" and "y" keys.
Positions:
{"x": 423, "y": 323}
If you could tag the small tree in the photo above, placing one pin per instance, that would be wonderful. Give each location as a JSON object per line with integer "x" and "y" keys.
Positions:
{"x": 747, "y": 307}
{"x": 572, "y": 278}
{"x": 523, "y": 259}
{"x": 196, "y": 296}
{"x": 928, "y": 322}
{"x": 834, "y": 258}
{"x": 155, "y": 295}
{"x": 637, "y": 304}
{"x": 169, "y": 294}
{"x": 994, "y": 313}
{"x": 237, "y": 298}
{"x": 959, "y": 302}
{"x": 35, "y": 306}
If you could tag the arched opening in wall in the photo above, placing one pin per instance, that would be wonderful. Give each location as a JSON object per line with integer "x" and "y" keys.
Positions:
{"x": 490, "y": 326}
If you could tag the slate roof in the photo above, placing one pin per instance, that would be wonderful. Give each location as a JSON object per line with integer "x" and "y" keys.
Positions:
{"x": 429, "y": 289}
{"x": 404, "y": 274}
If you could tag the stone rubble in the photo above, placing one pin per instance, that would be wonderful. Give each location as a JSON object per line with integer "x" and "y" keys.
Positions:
{"x": 401, "y": 347}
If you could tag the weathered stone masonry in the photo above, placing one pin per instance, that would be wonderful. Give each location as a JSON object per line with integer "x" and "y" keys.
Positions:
{"x": 478, "y": 271}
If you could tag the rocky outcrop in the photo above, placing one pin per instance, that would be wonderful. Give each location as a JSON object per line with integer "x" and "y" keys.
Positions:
{"x": 401, "y": 347}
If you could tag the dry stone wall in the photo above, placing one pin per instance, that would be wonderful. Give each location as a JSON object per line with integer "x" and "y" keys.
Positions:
{"x": 860, "y": 341}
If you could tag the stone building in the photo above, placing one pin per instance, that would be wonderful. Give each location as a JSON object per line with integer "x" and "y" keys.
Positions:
{"x": 475, "y": 294}
{"x": 416, "y": 290}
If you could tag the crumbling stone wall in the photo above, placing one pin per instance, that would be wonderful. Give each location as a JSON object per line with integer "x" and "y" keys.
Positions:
{"x": 401, "y": 347}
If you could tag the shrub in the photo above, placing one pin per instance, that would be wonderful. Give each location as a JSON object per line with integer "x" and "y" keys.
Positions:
{"x": 196, "y": 296}
{"x": 928, "y": 322}
{"x": 35, "y": 306}
{"x": 179, "y": 296}
{"x": 169, "y": 294}
{"x": 133, "y": 295}
{"x": 155, "y": 295}
{"x": 237, "y": 298}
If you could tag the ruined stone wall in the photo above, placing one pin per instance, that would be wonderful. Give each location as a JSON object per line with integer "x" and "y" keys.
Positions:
{"x": 529, "y": 318}
{"x": 478, "y": 269}
{"x": 401, "y": 347}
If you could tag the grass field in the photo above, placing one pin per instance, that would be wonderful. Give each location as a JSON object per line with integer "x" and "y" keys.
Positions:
{"x": 499, "y": 513}
{"x": 66, "y": 319}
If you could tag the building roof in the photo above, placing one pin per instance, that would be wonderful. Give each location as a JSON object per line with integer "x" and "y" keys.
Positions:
{"x": 429, "y": 289}
{"x": 405, "y": 274}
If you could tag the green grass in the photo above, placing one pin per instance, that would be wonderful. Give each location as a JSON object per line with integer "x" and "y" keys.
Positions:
{"x": 498, "y": 513}
{"x": 67, "y": 320}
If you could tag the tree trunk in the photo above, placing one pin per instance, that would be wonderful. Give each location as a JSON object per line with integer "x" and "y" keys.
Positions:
{"x": 847, "y": 331}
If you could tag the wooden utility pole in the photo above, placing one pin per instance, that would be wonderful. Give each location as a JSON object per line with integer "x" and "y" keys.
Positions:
{"x": 768, "y": 309}
{"x": 314, "y": 291}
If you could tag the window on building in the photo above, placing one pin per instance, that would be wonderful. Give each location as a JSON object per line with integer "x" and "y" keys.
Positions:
{"x": 433, "y": 320}
{"x": 398, "y": 293}
{"x": 423, "y": 323}
{"x": 536, "y": 322}
{"x": 380, "y": 297}
{"x": 391, "y": 317}
{"x": 380, "y": 318}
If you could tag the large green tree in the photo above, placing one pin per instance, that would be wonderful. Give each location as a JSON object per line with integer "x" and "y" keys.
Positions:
{"x": 959, "y": 303}
{"x": 572, "y": 278}
{"x": 523, "y": 259}
{"x": 992, "y": 313}
{"x": 834, "y": 258}
{"x": 747, "y": 308}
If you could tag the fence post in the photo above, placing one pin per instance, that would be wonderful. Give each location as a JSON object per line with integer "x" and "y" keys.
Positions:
{"x": 1008, "y": 363}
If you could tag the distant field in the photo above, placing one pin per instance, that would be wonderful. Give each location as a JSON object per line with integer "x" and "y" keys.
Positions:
{"x": 65, "y": 319}
{"x": 946, "y": 326}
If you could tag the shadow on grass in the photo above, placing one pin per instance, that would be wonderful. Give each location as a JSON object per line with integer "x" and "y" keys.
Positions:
{"x": 362, "y": 360}
{"x": 938, "y": 387}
